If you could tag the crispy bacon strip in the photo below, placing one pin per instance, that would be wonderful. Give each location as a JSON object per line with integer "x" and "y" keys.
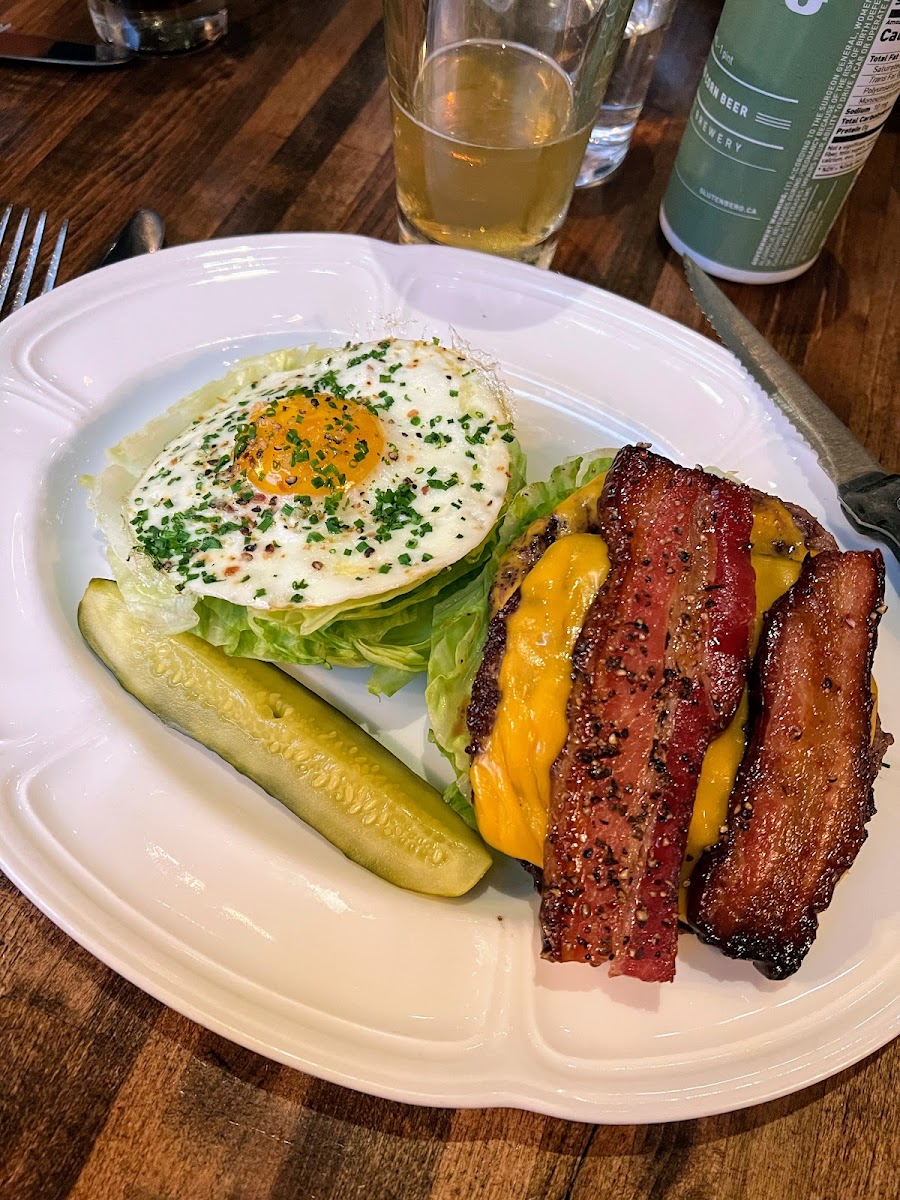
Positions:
{"x": 804, "y": 792}
{"x": 658, "y": 672}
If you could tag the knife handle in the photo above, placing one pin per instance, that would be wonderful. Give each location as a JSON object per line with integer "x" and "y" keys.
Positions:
{"x": 872, "y": 502}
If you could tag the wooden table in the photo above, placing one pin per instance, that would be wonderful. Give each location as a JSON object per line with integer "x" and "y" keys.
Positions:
{"x": 106, "y": 1094}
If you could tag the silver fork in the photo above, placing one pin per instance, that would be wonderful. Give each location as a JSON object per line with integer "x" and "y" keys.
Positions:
{"x": 20, "y": 296}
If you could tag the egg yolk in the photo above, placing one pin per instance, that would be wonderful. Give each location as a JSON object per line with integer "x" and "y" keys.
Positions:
{"x": 309, "y": 444}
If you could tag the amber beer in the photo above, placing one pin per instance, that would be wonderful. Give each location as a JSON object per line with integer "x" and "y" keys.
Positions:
{"x": 490, "y": 131}
{"x": 486, "y": 158}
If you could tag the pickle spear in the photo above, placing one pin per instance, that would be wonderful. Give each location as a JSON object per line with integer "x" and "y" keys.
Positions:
{"x": 305, "y": 753}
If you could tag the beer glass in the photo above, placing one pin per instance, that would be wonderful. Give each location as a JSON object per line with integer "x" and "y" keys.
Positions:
{"x": 492, "y": 104}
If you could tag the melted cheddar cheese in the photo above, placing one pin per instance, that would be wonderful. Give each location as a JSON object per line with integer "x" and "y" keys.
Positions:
{"x": 511, "y": 777}
{"x": 575, "y": 514}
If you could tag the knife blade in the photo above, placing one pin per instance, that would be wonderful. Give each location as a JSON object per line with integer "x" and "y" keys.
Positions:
{"x": 27, "y": 47}
{"x": 869, "y": 495}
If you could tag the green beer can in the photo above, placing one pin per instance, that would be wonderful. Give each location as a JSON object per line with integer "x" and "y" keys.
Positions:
{"x": 792, "y": 98}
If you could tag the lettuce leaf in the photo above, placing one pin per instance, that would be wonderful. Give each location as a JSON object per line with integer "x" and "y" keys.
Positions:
{"x": 390, "y": 632}
{"x": 460, "y": 621}
{"x": 394, "y": 636}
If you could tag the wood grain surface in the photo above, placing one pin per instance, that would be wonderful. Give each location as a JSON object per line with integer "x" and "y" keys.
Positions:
{"x": 104, "y": 1093}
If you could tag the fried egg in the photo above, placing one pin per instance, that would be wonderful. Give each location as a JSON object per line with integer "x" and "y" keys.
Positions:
{"x": 363, "y": 472}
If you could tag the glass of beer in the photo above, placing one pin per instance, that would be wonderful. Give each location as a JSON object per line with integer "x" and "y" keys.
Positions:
{"x": 493, "y": 102}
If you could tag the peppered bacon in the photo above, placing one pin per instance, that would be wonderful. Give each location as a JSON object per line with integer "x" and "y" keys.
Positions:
{"x": 803, "y": 795}
{"x": 658, "y": 671}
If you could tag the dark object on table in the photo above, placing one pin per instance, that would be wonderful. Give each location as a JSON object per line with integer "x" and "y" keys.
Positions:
{"x": 27, "y": 47}
{"x": 143, "y": 233}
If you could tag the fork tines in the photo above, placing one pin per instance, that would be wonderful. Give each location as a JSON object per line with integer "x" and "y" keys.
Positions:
{"x": 10, "y": 251}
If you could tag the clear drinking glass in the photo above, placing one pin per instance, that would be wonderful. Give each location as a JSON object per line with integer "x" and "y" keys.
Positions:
{"x": 159, "y": 26}
{"x": 627, "y": 90}
{"x": 492, "y": 104}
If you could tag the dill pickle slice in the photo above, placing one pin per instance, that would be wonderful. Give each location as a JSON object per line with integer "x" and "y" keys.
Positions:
{"x": 296, "y": 746}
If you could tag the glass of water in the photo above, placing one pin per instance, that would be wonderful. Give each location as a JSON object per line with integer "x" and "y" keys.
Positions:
{"x": 159, "y": 26}
{"x": 627, "y": 90}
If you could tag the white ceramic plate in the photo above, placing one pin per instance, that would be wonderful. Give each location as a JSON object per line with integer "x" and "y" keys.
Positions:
{"x": 199, "y": 888}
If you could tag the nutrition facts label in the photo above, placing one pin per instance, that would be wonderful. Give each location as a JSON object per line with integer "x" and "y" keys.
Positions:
{"x": 869, "y": 104}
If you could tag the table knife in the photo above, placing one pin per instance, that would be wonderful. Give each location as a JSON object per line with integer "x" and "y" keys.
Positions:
{"x": 869, "y": 495}
{"x": 27, "y": 47}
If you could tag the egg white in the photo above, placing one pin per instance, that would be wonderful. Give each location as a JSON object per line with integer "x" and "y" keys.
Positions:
{"x": 433, "y": 495}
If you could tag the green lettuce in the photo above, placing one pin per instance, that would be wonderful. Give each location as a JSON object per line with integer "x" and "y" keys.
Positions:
{"x": 393, "y": 635}
{"x": 460, "y": 621}
{"x": 390, "y": 632}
